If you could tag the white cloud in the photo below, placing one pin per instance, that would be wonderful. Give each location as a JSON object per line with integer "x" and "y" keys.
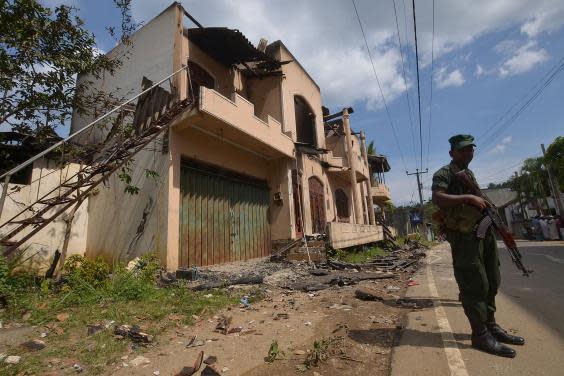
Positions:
{"x": 500, "y": 148}
{"x": 445, "y": 79}
{"x": 325, "y": 37}
{"x": 523, "y": 60}
{"x": 479, "y": 70}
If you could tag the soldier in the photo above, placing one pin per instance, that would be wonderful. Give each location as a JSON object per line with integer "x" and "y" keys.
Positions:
{"x": 475, "y": 261}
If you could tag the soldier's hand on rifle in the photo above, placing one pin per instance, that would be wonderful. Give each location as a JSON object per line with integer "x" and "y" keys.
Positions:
{"x": 476, "y": 201}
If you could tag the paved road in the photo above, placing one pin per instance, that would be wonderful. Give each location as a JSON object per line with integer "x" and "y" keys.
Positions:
{"x": 436, "y": 340}
{"x": 542, "y": 294}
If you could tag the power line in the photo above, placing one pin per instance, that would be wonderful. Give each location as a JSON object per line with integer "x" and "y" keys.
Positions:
{"x": 431, "y": 99}
{"x": 379, "y": 86}
{"x": 405, "y": 84}
{"x": 418, "y": 86}
{"x": 498, "y": 127}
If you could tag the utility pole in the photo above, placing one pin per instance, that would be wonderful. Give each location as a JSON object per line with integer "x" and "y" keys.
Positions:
{"x": 553, "y": 187}
{"x": 418, "y": 173}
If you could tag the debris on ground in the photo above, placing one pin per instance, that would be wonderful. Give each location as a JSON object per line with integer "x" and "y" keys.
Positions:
{"x": 34, "y": 345}
{"x": 134, "y": 333}
{"x": 12, "y": 359}
{"x": 224, "y": 322}
{"x": 190, "y": 370}
{"x": 140, "y": 360}
{"x": 364, "y": 293}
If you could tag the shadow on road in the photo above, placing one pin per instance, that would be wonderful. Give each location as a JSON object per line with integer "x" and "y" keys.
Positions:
{"x": 409, "y": 337}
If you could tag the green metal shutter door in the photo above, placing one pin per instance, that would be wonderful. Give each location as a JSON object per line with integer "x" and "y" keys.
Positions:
{"x": 221, "y": 219}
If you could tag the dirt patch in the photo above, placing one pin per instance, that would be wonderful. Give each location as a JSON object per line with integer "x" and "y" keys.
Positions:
{"x": 295, "y": 320}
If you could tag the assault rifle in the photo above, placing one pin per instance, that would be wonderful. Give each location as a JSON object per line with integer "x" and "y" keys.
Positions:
{"x": 493, "y": 218}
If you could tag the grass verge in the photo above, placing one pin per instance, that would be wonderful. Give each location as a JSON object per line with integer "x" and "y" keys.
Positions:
{"x": 90, "y": 296}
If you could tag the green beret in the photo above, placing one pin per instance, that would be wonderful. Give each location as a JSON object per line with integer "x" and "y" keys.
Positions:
{"x": 461, "y": 140}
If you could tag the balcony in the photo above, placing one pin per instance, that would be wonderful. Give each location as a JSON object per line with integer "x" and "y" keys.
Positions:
{"x": 339, "y": 165}
{"x": 381, "y": 194}
{"x": 234, "y": 121}
{"x": 344, "y": 235}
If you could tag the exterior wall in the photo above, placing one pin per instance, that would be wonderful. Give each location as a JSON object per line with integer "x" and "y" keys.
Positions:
{"x": 41, "y": 247}
{"x": 297, "y": 82}
{"x": 192, "y": 143}
{"x": 150, "y": 55}
{"x": 337, "y": 183}
{"x": 123, "y": 226}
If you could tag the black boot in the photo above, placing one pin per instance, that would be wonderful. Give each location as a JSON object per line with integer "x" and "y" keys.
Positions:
{"x": 487, "y": 342}
{"x": 502, "y": 336}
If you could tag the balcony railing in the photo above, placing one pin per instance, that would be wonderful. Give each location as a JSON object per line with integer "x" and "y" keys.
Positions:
{"x": 381, "y": 193}
{"x": 239, "y": 114}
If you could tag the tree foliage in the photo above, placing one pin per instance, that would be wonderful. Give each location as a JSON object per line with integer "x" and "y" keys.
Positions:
{"x": 42, "y": 51}
{"x": 555, "y": 159}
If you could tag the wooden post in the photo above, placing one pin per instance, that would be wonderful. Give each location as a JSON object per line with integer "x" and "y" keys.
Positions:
{"x": 357, "y": 208}
{"x": 370, "y": 205}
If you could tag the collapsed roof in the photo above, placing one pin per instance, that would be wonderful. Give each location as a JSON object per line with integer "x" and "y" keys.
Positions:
{"x": 231, "y": 48}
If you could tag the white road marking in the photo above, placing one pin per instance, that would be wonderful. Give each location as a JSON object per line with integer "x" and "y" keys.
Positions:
{"x": 555, "y": 259}
{"x": 551, "y": 258}
{"x": 454, "y": 358}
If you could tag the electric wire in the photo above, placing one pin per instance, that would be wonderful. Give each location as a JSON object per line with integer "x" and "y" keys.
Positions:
{"x": 418, "y": 86}
{"x": 431, "y": 95}
{"x": 405, "y": 84}
{"x": 379, "y": 85}
{"x": 498, "y": 128}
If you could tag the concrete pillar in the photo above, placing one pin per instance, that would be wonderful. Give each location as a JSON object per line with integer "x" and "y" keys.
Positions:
{"x": 370, "y": 206}
{"x": 357, "y": 207}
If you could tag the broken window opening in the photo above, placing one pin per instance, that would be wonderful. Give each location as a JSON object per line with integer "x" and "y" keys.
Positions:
{"x": 342, "y": 203}
{"x": 305, "y": 121}
{"x": 198, "y": 77}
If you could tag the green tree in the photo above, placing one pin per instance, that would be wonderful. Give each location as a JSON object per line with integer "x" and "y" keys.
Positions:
{"x": 555, "y": 159}
{"x": 41, "y": 53}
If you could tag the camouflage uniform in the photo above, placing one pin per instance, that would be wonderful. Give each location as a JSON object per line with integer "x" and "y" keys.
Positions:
{"x": 475, "y": 261}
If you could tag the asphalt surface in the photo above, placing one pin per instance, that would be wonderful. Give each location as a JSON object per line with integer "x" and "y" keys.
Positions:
{"x": 542, "y": 294}
{"x": 436, "y": 337}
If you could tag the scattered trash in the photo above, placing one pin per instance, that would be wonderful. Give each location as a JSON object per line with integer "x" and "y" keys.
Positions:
{"x": 299, "y": 352}
{"x": 43, "y": 335}
{"x": 392, "y": 288}
{"x": 210, "y": 359}
{"x": 208, "y": 296}
{"x": 134, "y": 333}
{"x": 189, "y": 371}
{"x": 307, "y": 323}
{"x": 223, "y": 324}
{"x": 12, "y": 359}
{"x": 140, "y": 360}
{"x": 77, "y": 367}
{"x": 156, "y": 373}
{"x": 224, "y": 369}
{"x": 282, "y": 315}
{"x": 34, "y": 345}
{"x": 412, "y": 283}
{"x": 245, "y": 301}
{"x": 193, "y": 342}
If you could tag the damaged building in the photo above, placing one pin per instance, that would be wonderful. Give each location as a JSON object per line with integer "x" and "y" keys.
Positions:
{"x": 256, "y": 163}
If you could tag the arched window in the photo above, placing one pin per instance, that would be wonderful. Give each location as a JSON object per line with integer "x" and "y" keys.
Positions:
{"x": 305, "y": 121}
{"x": 342, "y": 203}
{"x": 198, "y": 77}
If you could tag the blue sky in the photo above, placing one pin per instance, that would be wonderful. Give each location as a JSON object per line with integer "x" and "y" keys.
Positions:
{"x": 488, "y": 54}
